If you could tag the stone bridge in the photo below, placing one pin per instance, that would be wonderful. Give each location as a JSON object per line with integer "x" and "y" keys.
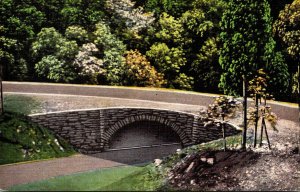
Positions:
{"x": 91, "y": 130}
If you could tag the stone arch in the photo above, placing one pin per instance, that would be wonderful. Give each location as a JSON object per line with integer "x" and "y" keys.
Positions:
{"x": 108, "y": 135}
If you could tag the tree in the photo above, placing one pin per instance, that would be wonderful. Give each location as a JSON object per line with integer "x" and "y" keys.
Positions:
{"x": 170, "y": 30}
{"x": 246, "y": 31}
{"x": 224, "y": 108}
{"x": 19, "y": 22}
{"x": 202, "y": 43}
{"x": 258, "y": 91}
{"x": 113, "y": 50}
{"x": 169, "y": 61}
{"x": 135, "y": 18}
{"x": 139, "y": 71}
{"x": 174, "y": 8}
{"x": 82, "y": 12}
{"x": 77, "y": 33}
{"x": 55, "y": 55}
{"x": 287, "y": 28}
{"x": 89, "y": 67}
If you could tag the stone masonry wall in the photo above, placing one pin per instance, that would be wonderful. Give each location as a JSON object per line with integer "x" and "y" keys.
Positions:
{"x": 89, "y": 131}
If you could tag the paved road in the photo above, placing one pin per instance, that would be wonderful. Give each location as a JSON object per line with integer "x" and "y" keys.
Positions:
{"x": 289, "y": 112}
{"x": 15, "y": 174}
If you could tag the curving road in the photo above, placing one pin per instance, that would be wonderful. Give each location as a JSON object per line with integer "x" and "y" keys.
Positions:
{"x": 283, "y": 110}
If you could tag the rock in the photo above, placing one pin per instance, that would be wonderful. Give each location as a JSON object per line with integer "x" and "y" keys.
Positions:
{"x": 192, "y": 182}
{"x": 157, "y": 162}
{"x": 189, "y": 167}
{"x": 210, "y": 161}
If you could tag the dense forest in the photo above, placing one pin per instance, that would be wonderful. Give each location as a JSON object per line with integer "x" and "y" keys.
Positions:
{"x": 155, "y": 43}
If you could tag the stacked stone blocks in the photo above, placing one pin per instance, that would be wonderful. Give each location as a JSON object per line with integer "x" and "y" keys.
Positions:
{"x": 89, "y": 131}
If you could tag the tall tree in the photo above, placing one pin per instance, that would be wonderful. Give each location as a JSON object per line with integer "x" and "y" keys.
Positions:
{"x": 287, "y": 28}
{"x": 202, "y": 43}
{"x": 246, "y": 31}
{"x": 113, "y": 50}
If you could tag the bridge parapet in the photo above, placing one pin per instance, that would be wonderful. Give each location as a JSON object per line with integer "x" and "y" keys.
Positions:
{"x": 89, "y": 131}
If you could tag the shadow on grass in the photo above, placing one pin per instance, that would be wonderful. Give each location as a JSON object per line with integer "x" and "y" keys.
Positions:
{"x": 122, "y": 178}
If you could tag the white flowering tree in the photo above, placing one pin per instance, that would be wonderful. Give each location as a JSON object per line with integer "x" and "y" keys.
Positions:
{"x": 89, "y": 66}
{"x": 135, "y": 17}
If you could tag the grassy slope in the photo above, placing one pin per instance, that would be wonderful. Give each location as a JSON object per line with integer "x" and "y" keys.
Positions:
{"x": 21, "y": 104}
{"x": 21, "y": 140}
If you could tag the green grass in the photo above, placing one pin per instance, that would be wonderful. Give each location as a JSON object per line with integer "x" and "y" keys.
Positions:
{"x": 21, "y": 104}
{"x": 22, "y": 140}
{"x": 124, "y": 178}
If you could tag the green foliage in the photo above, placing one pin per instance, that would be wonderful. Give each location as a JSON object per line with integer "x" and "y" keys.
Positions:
{"x": 77, "y": 33}
{"x": 174, "y": 8}
{"x": 295, "y": 83}
{"x": 258, "y": 89}
{"x": 202, "y": 29}
{"x": 246, "y": 31}
{"x": 287, "y": 27}
{"x": 170, "y": 30}
{"x": 46, "y": 41}
{"x": 82, "y": 12}
{"x": 33, "y": 32}
{"x": 205, "y": 66}
{"x": 222, "y": 107}
{"x": 140, "y": 72}
{"x": 169, "y": 62}
{"x": 278, "y": 70}
{"x": 113, "y": 50}
{"x": 19, "y": 22}
{"x": 22, "y": 140}
{"x": 56, "y": 54}
{"x": 13, "y": 65}
{"x": 53, "y": 69}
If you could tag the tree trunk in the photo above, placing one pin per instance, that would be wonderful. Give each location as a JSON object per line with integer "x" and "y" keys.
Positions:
{"x": 245, "y": 113}
{"x": 224, "y": 133}
{"x": 256, "y": 119}
{"x": 267, "y": 136}
{"x": 299, "y": 105}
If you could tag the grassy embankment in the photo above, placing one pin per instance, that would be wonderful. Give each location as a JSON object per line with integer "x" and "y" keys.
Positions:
{"x": 22, "y": 140}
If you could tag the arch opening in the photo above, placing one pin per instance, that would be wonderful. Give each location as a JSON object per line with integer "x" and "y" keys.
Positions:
{"x": 143, "y": 134}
